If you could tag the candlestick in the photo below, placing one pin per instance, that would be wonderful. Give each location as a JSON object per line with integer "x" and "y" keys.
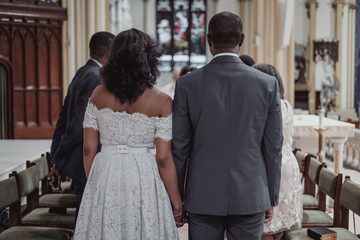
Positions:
{"x": 321, "y": 115}
{"x": 320, "y": 130}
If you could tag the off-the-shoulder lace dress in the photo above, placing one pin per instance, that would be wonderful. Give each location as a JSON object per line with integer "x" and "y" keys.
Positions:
{"x": 124, "y": 197}
{"x": 288, "y": 213}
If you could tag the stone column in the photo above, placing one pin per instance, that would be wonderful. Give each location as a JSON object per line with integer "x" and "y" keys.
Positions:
{"x": 338, "y": 153}
{"x": 311, "y": 6}
{"x": 80, "y": 34}
{"x": 90, "y": 21}
{"x": 215, "y": 6}
{"x": 351, "y": 55}
{"x": 338, "y": 5}
{"x": 259, "y": 9}
{"x": 145, "y": 6}
{"x": 242, "y": 14}
{"x": 101, "y": 15}
{"x": 246, "y": 13}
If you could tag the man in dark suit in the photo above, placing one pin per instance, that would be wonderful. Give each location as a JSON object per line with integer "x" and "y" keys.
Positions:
{"x": 67, "y": 144}
{"x": 227, "y": 124}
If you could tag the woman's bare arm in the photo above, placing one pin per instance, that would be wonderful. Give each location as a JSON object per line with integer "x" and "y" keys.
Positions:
{"x": 91, "y": 139}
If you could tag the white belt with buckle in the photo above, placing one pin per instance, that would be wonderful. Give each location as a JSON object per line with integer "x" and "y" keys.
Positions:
{"x": 124, "y": 149}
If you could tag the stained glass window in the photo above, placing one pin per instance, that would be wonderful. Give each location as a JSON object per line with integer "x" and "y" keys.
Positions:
{"x": 181, "y": 34}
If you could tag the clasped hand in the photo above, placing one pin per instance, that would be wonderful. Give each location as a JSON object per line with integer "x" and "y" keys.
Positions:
{"x": 180, "y": 217}
{"x": 54, "y": 173}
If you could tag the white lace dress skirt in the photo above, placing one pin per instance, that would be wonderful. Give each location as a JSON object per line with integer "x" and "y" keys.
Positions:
{"x": 288, "y": 213}
{"x": 125, "y": 198}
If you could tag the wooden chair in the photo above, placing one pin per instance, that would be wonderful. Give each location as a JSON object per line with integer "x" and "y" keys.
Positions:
{"x": 300, "y": 157}
{"x": 349, "y": 200}
{"x": 329, "y": 185}
{"x": 312, "y": 169}
{"x": 47, "y": 198}
{"x": 349, "y": 192}
{"x": 28, "y": 186}
{"x": 9, "y": 197}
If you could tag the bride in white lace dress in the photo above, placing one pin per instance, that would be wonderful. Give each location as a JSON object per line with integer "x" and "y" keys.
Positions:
{"x": 130, "y": 192}
{"x": 288, "y": 213}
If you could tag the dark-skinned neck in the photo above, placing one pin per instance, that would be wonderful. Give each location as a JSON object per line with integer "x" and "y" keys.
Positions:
{"x": 101, "y": 60}
{"x": 235, "y": 50}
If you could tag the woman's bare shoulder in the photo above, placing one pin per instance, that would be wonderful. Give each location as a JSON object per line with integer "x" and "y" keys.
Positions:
{"x": 101, "y": 95}
{"x": 161, "y": 102}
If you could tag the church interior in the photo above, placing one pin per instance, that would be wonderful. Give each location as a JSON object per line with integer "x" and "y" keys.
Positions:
{"x": 315, "y": 45}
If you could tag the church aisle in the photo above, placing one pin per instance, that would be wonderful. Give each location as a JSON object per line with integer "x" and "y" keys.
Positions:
{"x": 183, "y": 232}
{"x": 14, "y": 153}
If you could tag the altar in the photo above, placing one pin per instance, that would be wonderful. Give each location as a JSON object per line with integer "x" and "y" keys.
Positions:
{"x": 306, "y": 137}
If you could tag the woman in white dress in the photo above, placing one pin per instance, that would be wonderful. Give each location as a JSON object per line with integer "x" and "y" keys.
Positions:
{"x": 288, "y": 213}
{"x": 130, "y": 192}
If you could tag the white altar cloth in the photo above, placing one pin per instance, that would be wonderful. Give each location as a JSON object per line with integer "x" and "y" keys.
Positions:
{"x": 304, "y": 127}
{"x": 307, "y": 138}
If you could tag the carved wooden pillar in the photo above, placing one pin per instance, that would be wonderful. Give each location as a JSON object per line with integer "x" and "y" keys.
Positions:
{"x": 311, "y": 6}
{"x": 31, "y": 51}
{"x": 65, "y": 44}
{"x": 70, "y": 44}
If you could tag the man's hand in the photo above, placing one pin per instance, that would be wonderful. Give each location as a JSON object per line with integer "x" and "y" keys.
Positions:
{"x": 54, "y": 177}
{"x": 269, "y": 214}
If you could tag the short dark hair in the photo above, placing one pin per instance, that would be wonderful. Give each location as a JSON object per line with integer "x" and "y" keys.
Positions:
{"x": 247, "y": 60}
{"x": 272, "y": 71}
{"x": 132, "y": 66}
{"x": 100, "y": 43}
{"x": 225, "y": 30}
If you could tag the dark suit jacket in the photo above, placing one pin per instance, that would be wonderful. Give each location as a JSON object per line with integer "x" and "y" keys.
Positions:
{"x": 227, "y": 121}
{"x": 67, "y": 143}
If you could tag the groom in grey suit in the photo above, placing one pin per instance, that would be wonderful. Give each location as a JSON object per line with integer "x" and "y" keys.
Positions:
{"x": 227, "y": 127}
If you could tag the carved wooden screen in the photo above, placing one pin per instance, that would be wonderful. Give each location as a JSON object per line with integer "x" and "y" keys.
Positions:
{"x": 31, "y": 49}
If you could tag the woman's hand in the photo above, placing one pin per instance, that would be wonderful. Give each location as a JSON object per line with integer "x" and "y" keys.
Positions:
{"x": 180, "y": 217}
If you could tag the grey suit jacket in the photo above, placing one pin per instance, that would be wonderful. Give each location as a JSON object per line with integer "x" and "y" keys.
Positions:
{"x": 227, "y": 123}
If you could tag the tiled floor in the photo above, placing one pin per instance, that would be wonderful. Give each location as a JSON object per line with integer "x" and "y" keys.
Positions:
{"x": 183, "y": 232}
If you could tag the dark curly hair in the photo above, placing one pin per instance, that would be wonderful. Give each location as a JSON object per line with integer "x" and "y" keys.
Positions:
{"x": 132, "y": 66}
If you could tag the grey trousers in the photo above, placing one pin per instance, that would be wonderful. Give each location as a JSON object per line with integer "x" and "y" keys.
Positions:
{"x": 210, "y": 227}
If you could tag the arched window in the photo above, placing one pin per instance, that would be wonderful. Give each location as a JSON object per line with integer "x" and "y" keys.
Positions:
{"x": 4, "y": 120}
{"x": 181, "y": 33}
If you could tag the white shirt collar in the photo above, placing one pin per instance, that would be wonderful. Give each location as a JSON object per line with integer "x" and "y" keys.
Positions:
{"x": 97, "y": 62}
{"x": 226, "y": 54}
